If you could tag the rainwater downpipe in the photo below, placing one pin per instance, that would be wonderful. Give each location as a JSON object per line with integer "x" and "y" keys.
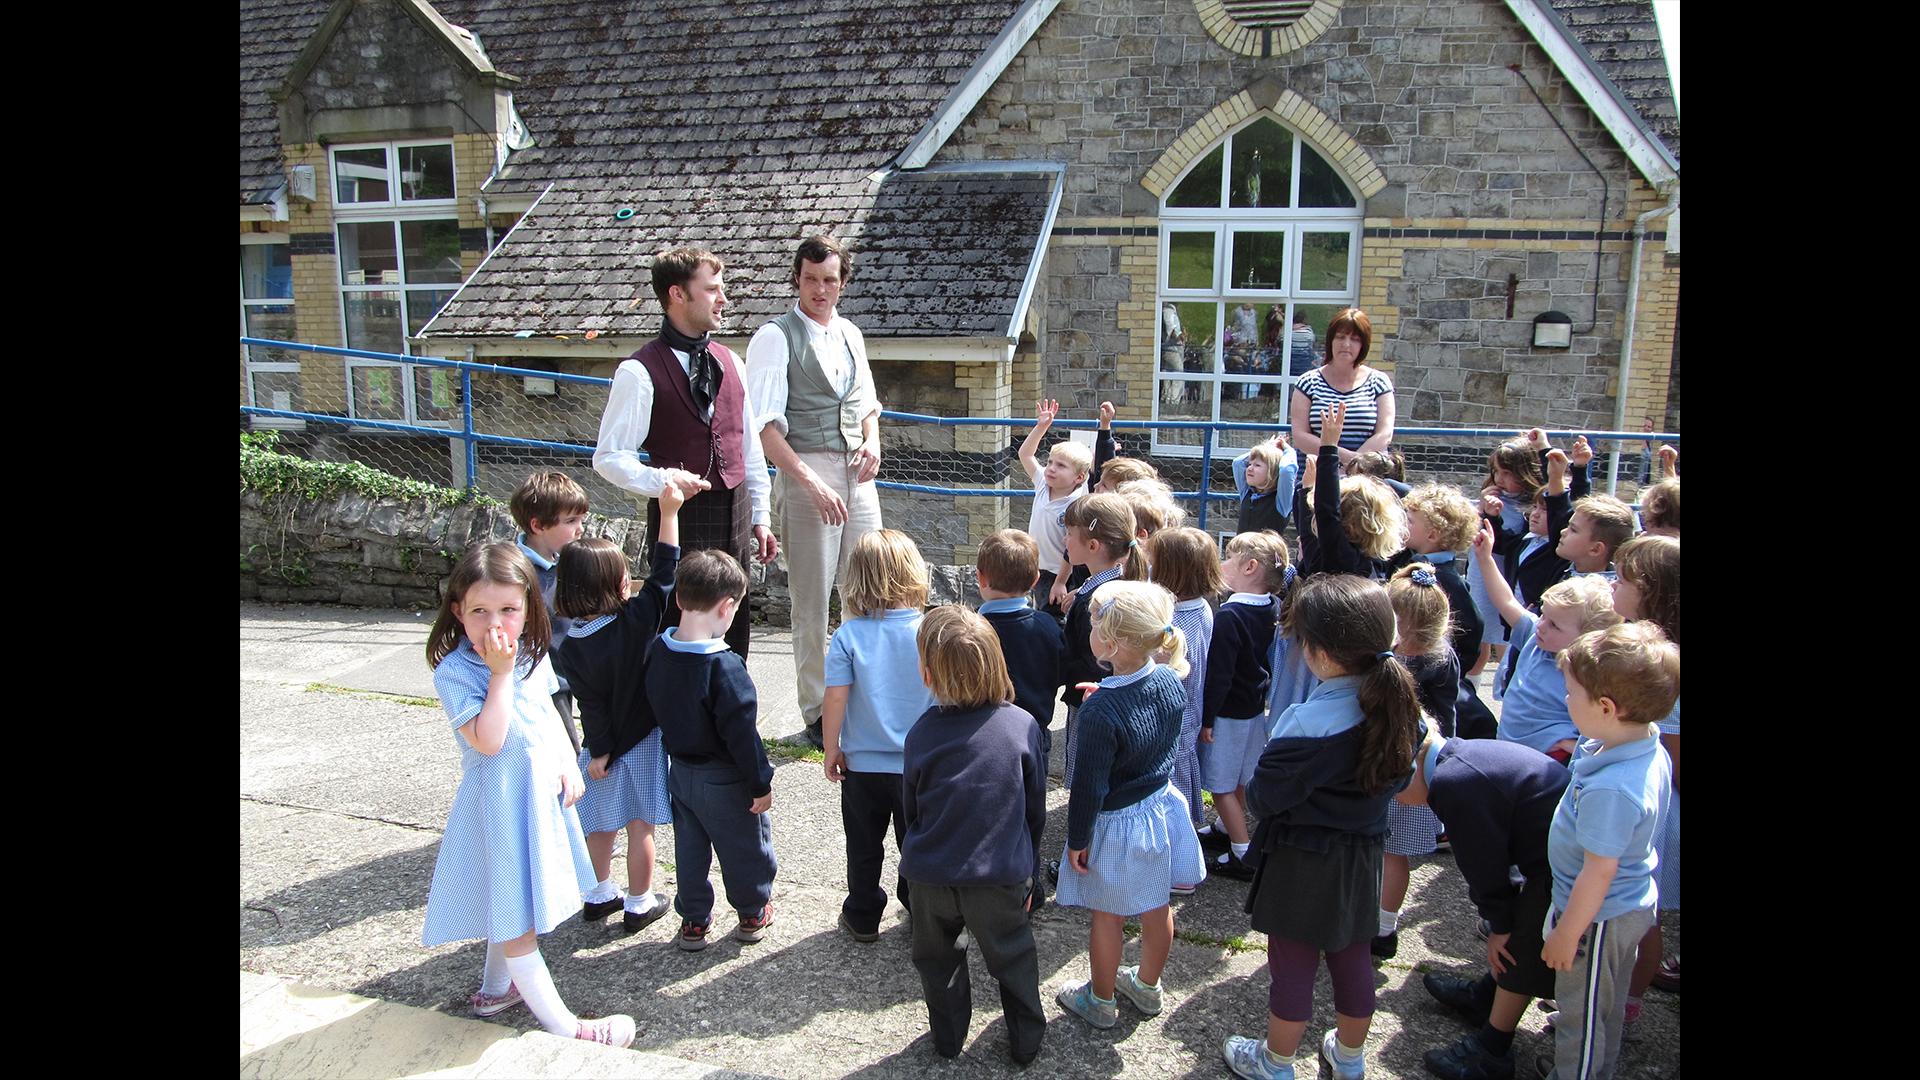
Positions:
{"x": 1626, "y": 340}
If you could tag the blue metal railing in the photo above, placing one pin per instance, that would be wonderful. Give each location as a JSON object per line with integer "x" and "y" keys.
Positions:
{"x": 473, "y": 438}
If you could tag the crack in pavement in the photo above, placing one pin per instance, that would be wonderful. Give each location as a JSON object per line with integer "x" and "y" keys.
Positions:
{"x": 340, "y": 813}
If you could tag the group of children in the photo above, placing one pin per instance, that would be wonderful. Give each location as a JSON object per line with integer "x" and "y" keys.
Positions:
{"x": 1328, "y": 702}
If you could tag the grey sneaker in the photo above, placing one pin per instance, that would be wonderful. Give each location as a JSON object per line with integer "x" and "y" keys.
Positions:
{"x": 1332, "y": 1068}
{"x": 1248, "y": 1058}
{"x": 1127, "y": 985}
{"x": 1080, "y": 1001}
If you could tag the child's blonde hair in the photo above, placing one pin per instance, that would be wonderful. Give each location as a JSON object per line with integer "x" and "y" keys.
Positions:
{"x": 884, "y": 572}
{"x": 1122, "y": 470}
{"x": 1107, "y": 520}
{"x": 1660, "y": 505}
{"x": 1611, "y": 519}
{"x": 1451, "y": 515}
{"x": 1184, "y": 563}
{"x": 1590, "y": 596}
{"x": 1153, "y": 506}
{"x": 1266, "y": 548}
{"x": 961, "y": 655}
{"x": 1421, "y": 613}
{"x": 1139, "y": 615}
{"x": 1370, "y": 515}
{"x": 1269, "y": 455}
{"x": 1068, "y": 452}
{"x": 1633, "y": 663}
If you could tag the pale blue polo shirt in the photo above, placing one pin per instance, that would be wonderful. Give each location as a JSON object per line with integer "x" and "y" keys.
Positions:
{"x": 1611, "y": 809}
{"x": 875, "y": 655}
{"x": 1533, "y": 711}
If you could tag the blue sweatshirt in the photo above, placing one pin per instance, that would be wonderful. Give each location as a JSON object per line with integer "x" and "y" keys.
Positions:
{"x": 975, "y": 798}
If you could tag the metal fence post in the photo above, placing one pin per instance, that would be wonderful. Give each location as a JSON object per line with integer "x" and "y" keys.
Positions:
{"x": 466, "y": 428}
{"x": 1206, "y": 473}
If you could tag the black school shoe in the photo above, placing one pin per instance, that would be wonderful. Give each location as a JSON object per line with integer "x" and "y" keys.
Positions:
{"x": 595, "y": 910}
{"x": 1215, "y": 842}
{"x": 1386, "y": 948}
{"x": 1459, "y": 994}
{"x": 1468, "y": 1060}
{"x": 1233, "y": 868}
{"x": 633, "y": 924}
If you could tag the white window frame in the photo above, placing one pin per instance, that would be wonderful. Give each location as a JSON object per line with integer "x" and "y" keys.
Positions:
{"x": 265, "y": 367}
{"x": 395, "y": 212}
{"x": 1227, "y": 222}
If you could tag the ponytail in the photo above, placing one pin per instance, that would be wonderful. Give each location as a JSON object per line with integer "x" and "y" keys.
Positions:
{"x": 1390, "y": 702}
{"x": 1173, "y": 650}
{"x": 1136, "y": 567}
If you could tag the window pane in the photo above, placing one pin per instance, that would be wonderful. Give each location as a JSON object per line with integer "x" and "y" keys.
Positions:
{"x": 1250, "y": 403}
{"x": 1190, "y": 260}
{"x": 1320, "y": 185}
{"x": 1259, "y": 261}
{"x": 377, "y": 392}
{"x": 1202, "y": 185}
{"x": 373, "y": 321}
{"x": 426, "y": 172}
{"x": 367, "y": 256}
{"x": 424, "y": 304}
{"x": 1323, "y": 261}
{"x": 360, "y": 175}
{"x": 436, "y": 393}
{"x": 1186, "y": 336}
{"x": 1308, "y": 336}
{"x": 271, "y": 321}
{"x": 1184, "y": 399}
{"x": 278, "y": 390}
{"x": 266, "y": 271}
{"x": 433, "y": 252}
{"x": 1242, "y": 337}
{"x": 1262, "y": 165}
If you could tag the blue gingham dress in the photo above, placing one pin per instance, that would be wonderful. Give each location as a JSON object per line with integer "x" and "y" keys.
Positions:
{"x": 1193, "y": 618}
{"x": 636, "y": 785}
{"x": 512, "y": 859}
{"x": 1137, "y": 852}
{"x": 1666, "y": 873}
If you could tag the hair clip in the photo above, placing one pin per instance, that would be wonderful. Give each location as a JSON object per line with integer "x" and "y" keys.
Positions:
{"x": 1424, "y": 576}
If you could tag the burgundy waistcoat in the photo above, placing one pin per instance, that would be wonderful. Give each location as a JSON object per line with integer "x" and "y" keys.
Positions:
{"x": 677, "y": 437}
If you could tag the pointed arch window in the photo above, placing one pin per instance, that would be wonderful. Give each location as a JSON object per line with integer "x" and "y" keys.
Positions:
{"x": 1259, "y": 247}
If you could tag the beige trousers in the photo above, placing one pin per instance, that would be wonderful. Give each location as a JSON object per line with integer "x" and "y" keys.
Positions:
{"x": 816, "y": 556}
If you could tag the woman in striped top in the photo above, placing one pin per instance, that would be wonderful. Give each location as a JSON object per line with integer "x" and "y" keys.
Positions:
{"x": 1344, "y": 378}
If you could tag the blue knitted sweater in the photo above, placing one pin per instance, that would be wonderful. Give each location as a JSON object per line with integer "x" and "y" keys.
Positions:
{"x": 1123, "y": 747}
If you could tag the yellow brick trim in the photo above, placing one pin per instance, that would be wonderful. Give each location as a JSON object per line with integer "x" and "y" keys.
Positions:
{"x": 1319, "y": 129}
{"x": 1247, "y": 41}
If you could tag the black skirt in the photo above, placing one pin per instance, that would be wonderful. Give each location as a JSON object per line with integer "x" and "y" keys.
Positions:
{"x": 1328, "y": 900}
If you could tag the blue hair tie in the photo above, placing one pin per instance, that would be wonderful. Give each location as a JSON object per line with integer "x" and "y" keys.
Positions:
{"x": 1167, "y": 629}
{"x": 1384, "y": 655}
{"x": 1423, "y": 576}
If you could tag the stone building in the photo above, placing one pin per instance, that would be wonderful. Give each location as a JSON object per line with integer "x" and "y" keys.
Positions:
{"x": 1132, "y": 200}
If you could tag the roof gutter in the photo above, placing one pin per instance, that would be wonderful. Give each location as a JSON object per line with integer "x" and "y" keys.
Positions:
{"x": 1633, "y": 312}
{"x": 978, "y": 80}
{"x": 1621, "y": 120}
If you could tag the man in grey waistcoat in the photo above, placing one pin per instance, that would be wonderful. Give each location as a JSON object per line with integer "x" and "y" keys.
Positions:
{"x": 813, "y": 394}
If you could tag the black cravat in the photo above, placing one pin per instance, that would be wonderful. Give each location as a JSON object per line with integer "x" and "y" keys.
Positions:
{"x": 703, "y": 371}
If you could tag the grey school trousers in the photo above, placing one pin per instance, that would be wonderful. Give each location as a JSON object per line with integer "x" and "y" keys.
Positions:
{"x": 995, "y": 917}
{"x": 1593, "y": 997}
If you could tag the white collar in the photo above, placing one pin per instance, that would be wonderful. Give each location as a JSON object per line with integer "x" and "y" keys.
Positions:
{"x": 1252, "y": 599}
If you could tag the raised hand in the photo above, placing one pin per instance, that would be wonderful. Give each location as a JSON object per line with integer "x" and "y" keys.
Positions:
{"x": 1581, "y": 453}
{"x": 1669, "y": 458}
{"x": 1045, "y": 411}
{"x": 1106, "y": 415}
{"x": 498, "y": 650}
{"x": 1332, "y": 423}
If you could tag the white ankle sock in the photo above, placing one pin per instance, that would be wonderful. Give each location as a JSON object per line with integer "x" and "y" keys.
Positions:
{"x": 1239, "y": 850}
{"x": 1342, "y": 1052}
{"x": 640, "y": 903}
{"x": 495, "y": 978}
{"x": 603, "y": 892}
{"x": 1389, "y": 922}
{"x": 536, "y": 986}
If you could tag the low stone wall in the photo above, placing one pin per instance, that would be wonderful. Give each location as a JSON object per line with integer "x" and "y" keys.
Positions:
{"x": 363, "y": 551}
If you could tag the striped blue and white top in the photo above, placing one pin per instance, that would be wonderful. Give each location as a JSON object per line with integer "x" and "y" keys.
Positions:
{"x": 1363, "y": 404}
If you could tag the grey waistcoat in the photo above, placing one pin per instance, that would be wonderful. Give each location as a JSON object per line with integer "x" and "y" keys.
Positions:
{"x": 819, "y": 416}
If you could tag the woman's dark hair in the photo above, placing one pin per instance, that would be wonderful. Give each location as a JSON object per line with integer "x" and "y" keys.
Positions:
{"x": 1353, "y": 321}
{"x": 1349, "y": 620}
{"x": 491, "y": 564}
{"x": 587, "y": 579}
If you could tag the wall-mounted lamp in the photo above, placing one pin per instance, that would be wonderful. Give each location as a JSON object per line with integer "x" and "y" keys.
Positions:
{"x": 1552, "y": 330}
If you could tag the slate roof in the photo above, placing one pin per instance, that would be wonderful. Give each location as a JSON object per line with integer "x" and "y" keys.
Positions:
{"x": 272, "y": 33}
{"x": 1623, "y": 40}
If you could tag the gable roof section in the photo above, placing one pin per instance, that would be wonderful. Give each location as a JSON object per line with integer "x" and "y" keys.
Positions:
{"x": 1605, "y": 49}
{"x": 458, "y": 43}
{"x": 272, "y": 33}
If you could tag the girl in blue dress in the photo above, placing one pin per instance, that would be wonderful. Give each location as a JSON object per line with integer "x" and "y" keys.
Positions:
{"x": 512, "y": 860}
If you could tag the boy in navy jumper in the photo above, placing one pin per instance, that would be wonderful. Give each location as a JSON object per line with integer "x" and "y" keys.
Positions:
{"x": 1498, "y": 800}
{"x": 975, "y": 798}
{"x": 721, "y": 781}
{"x": 551, "y": 510}
{"x": 1620, "y": 682}
{"x": 1031, "y": 642}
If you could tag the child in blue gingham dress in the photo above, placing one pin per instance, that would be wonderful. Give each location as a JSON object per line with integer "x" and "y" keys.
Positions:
{"x": 1129, "y": 834}
{"x": 512, "y": 860}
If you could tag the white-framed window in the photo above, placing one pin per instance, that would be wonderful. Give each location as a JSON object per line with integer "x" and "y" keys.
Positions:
{"x": 397, "y": 242}
{"x": 272, "y": 376}
{"x": 1259, "y": 248}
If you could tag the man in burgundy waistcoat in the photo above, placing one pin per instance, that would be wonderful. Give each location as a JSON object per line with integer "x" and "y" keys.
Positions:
{"x": 683, "y": 398}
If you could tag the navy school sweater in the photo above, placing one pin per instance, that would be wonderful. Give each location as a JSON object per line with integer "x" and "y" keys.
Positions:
{"x": 1033, "y": 645}
{"x": 708, "y": 711}
{"x": 974, "y": 796}
{"x": 1237, "y": 659}
{"x": 1497, "y": 799}
{"x": 607, "y": 669}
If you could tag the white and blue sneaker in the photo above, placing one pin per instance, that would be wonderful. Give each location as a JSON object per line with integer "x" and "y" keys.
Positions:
{"x": 1249, "y": 1058}
{"x": 1333, "y": 1065}
{"x": 1079, "y": 1000}
{"x": 1127, "y": 984}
